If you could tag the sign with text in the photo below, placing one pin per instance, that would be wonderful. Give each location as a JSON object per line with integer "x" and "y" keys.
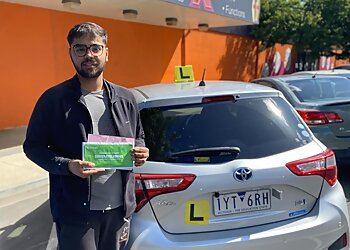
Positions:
{"x": 247, "y": 10}
{"x": 108, "y": 155}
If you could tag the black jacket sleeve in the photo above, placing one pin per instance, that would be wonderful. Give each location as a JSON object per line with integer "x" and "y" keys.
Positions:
{"x": 36, "y": 145}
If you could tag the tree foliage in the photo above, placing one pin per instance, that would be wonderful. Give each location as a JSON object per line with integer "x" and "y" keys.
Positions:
{"x": 316, "y": 27}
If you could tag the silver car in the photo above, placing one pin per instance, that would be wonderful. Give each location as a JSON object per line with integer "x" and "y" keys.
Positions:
{"x": 233, "y": 166}
{"x": 333, "y": 72}
{"x": 323, "y": 101}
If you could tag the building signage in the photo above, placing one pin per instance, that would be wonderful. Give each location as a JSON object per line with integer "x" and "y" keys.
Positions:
{"x": 246, "y": 10}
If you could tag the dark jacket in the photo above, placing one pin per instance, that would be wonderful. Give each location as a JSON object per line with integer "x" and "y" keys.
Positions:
{"x": 59, "y": 124}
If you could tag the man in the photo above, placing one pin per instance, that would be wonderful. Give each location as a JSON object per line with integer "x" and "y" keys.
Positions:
{"x": 88, "y": 205}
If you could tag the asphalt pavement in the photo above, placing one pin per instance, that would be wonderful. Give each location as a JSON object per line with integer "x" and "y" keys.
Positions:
{"x": 25, "y": 221}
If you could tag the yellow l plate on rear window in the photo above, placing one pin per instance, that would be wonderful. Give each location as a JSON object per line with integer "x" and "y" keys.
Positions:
{"x": 184, "y": 74}
{"x": 197, "y": 212}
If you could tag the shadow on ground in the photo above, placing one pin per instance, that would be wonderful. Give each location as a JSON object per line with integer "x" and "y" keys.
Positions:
{"x": 32, "y": 232}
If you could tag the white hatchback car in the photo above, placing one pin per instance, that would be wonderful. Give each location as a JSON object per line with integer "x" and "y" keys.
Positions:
{"x": 233, "y": 166}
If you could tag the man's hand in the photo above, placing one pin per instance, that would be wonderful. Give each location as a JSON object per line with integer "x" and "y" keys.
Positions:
{"x": 140, "y": 155}
{"x": 77, "y": 168}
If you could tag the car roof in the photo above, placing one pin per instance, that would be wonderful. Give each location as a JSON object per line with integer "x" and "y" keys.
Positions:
{"x": 168, "y": 91}
{"x": 294, "y": 77}
{"x": 325, "y": 72}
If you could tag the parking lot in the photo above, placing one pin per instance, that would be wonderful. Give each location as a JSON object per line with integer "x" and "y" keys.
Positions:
{"x": 29, "y": 222}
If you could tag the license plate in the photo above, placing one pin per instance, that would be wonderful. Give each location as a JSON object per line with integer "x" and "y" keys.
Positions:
{"x": 242, "y": 202}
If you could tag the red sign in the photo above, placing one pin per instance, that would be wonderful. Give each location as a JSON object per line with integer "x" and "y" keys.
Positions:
{"x": 198, "y": 3}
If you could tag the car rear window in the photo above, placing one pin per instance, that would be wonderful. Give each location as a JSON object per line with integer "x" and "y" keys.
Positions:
{"x": 320, "y": 89}
{"x": 259, "y": 127}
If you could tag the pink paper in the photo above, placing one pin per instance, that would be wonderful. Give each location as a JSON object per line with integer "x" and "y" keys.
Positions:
{"x": 110, "y": 139}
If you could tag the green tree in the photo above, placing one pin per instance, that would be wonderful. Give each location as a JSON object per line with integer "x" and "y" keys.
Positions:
{"x": 337, "y": 25}
{"x": 316, "y": 27}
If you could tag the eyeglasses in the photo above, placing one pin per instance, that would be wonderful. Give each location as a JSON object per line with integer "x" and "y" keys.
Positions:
{"x": 82, "y": 49}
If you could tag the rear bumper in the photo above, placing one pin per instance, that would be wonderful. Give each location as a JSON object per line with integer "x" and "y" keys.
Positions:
{"x": 328, "y": 138}
{"x": 339, "y": 145}
{"x": 343, "y": 158}
{"x": 317, "y": 230}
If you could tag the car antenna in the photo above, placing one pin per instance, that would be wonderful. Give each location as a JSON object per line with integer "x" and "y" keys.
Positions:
{"x": 314, "y": 76}
{"x": 202, "y": 83}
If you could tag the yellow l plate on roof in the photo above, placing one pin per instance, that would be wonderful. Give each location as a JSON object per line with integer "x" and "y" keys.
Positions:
{"x": 184, "y": 73}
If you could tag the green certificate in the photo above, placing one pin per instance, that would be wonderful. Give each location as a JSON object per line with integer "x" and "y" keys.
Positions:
{"x": 108, "y": 155}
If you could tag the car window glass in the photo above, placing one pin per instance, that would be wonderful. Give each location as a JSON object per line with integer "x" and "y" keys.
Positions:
{"x": 318, "y": 89}
{"x": 258, "y": 127}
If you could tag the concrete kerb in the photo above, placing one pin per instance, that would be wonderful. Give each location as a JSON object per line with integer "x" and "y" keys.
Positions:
{"x": 19, "y": 175}
{"x": 10, "y": 151}
{"x": 25, "y": 187}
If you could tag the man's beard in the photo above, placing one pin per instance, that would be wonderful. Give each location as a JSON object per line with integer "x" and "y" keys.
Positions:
{"x": 90, "y": 73}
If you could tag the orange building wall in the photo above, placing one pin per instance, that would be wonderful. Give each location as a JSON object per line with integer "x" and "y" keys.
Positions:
{"x": 340, "y": 62}
{"x": 267, "y": 56}
{"x": 36, "y": 55}
{"x": 225, "y": 57}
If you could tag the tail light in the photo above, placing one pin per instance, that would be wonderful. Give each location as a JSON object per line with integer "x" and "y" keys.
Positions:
{"x": 340, "y": 243}
{"x": 222, "y": 98}
{"x": 322, "y": 164}
{"x": 157, "y": 184}
{"x": 315, "y": 117}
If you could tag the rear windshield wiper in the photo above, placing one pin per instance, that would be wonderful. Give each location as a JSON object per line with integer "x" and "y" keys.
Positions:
{"x": 214, "y": 151}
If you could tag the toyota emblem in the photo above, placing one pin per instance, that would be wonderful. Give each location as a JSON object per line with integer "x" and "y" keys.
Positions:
{"x": 243, "y": 174}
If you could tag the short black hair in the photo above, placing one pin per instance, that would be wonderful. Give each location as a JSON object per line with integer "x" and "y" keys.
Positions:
{"x": 82, "y": 29}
